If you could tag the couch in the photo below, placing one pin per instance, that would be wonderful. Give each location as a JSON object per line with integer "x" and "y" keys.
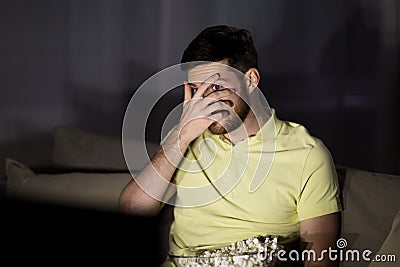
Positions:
{"x": 89, "y": 172}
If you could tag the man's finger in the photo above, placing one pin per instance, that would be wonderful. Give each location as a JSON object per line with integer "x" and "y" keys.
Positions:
{"x": 188, "y": 91}
{"x": 223, "y": 112}
{"x": 206, "y": 84}
{"x": 214, "y": 107}
{"x": 216, "y": 116}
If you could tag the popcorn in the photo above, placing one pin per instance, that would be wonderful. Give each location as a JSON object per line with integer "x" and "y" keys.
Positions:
{"x": 253, "y": 252}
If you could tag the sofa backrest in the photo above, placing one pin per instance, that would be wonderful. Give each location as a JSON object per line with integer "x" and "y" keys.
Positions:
{"x": 370, "y": 203}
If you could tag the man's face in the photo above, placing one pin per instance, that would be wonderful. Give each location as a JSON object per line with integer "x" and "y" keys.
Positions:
{"x": 229, "y": 89}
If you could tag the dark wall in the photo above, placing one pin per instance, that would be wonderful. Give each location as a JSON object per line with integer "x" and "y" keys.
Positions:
{"x": 330, "y": 65}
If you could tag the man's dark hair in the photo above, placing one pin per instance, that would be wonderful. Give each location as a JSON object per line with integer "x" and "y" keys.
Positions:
{"x": 221, "y": 42}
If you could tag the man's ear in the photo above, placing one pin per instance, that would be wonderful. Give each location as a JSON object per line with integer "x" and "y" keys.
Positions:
{"x": 253, "y": 79}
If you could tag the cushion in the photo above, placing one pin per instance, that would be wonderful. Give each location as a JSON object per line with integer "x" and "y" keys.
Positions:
{"x": 76, "y": 148}
{"x": 370, "y": 201}
{"x": 98, "y": 191}
{"x": 390, "y": 247}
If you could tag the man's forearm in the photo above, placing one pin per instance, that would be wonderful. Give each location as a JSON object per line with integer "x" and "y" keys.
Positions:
{"x": 319, "y": 234}
{"x": 147, "y": 191}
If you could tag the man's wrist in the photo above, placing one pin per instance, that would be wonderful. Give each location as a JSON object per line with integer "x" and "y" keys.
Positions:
{"x": 174, "y": 148}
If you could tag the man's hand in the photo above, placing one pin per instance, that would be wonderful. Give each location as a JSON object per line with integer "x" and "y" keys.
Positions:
{"x": 199, "y": 112}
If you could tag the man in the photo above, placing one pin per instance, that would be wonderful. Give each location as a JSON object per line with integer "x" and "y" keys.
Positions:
{"x": 239, "y": 171}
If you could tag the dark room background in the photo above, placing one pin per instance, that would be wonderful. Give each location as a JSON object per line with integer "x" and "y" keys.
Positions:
{"x": 331, "y": 65}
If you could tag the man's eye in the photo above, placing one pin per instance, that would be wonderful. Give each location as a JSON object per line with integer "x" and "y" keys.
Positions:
{"x": 217, "y": 87}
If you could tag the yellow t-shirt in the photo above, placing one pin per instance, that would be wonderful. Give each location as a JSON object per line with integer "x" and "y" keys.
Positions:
{"x": 270, "y": 182}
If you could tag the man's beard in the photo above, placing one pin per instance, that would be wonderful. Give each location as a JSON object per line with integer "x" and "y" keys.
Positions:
{"x": 232, "y": 122}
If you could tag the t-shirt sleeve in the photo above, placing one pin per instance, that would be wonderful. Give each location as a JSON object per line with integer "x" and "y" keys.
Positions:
{"x": 319, "y": 194}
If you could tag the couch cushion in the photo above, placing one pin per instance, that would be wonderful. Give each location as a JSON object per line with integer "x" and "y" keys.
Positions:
{"x": 390, "y": 247}
{"x": 87, "y": 190}
{"x": 370, "y": 201}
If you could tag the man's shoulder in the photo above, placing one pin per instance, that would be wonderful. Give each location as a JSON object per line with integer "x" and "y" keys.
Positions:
{"x": 295, "y": 135}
